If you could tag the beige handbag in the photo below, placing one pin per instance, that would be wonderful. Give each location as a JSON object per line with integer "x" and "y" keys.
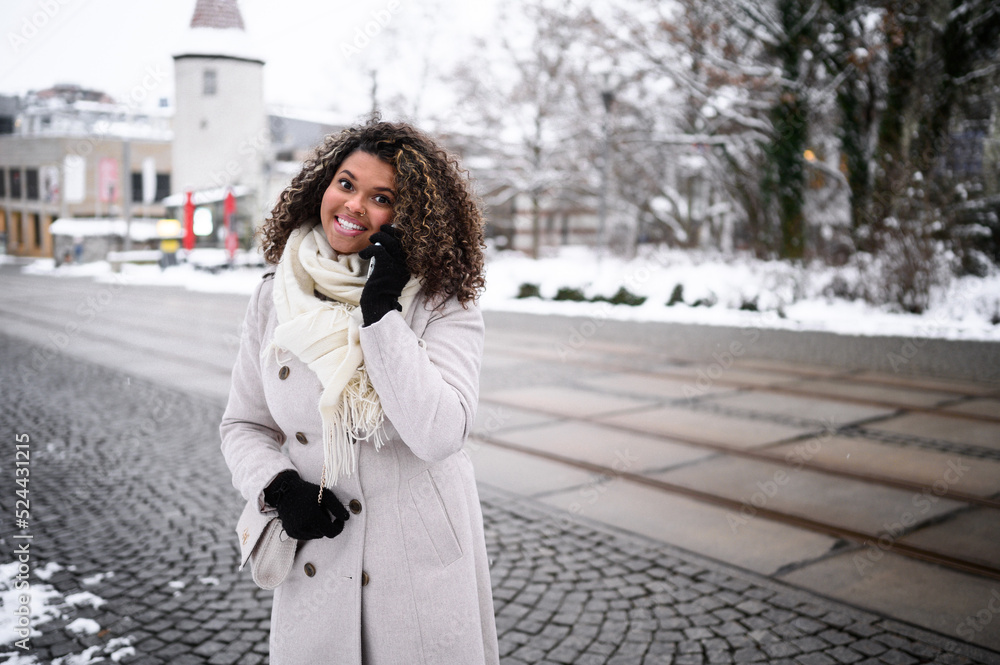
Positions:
{"x": 265, "y": 545}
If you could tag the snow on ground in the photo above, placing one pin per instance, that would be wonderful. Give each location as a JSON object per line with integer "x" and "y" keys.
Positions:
{"x": 786, "y": 296}
{"x": 48, "y": 570}
{"x": 45, "y": 605}
{"x": 82, "y": 626}
{"x": 97, "y": 578}
{"x": 84, "y": 598}
{"x": 241, "y": 280}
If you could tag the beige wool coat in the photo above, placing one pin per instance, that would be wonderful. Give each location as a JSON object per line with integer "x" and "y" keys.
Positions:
{"x": 407, "y": 581}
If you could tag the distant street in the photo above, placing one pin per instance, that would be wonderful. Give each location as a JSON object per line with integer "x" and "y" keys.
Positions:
{"x": 875, "y": 488}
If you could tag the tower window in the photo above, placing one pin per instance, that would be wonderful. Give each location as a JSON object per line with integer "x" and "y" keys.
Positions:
{"x": 209, "y": 83}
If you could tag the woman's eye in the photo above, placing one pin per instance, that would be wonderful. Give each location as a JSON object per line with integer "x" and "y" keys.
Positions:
{"x": 383, "y": 200}
{"x": 346, "y": 184}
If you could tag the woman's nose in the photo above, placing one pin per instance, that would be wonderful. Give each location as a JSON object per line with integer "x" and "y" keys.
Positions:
{"x": 356, "y": 204}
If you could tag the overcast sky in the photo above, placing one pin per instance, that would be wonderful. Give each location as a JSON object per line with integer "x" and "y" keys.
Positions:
{"x": 113, "y": 45}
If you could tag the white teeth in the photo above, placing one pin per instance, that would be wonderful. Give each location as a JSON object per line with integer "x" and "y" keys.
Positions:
{"x": 351, "y": 226}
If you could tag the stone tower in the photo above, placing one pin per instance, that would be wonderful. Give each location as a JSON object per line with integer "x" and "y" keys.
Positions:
{"x": 221, "y": 134}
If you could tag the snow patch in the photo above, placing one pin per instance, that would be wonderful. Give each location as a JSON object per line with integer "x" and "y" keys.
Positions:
{"x": 84, "y": 598}
{"x": 20, "y": 659}
{"x": 125, "y": 652}
{"x": 83, "y": 626}
{"x": 47, "y": 571}
{"x": 43, "y": 604}
{"x": 97, "y": 579}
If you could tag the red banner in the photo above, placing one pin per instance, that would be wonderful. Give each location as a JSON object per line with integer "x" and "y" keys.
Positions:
{"x": 232, "y": 241}
{"x": 188, "y": 222}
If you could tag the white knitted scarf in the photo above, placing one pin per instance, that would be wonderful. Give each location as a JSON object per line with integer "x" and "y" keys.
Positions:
{"x": 324, "y": 334}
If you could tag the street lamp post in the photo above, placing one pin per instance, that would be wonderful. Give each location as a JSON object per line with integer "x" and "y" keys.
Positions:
{"x": 608, "y": 97}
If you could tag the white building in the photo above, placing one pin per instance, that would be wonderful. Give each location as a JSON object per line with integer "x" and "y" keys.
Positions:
{"x": 221, "y": 135}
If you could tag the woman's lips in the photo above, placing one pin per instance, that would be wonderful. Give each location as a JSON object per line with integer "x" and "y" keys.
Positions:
{"x": 348, "y": 226}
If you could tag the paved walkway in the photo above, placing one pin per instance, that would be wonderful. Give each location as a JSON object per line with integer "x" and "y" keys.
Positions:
{"x": 131, "y": 502}
{"x": 878, "y": 489}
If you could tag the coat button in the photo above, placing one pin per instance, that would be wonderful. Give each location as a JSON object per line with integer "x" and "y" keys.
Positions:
{"x": 355, "y": 506}
{"x": 301, "y": 438}
{"x": 310, "y": 569}
{"x": 364, "y": 578}
{"x": 283, "y": 373}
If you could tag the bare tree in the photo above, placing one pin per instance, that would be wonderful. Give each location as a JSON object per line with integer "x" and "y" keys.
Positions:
{"x": 701, "y": 88}
{"x": 520, "y": 107}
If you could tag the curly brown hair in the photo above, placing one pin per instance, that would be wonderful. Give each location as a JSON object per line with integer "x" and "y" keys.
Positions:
{"x": 439, "y": 219}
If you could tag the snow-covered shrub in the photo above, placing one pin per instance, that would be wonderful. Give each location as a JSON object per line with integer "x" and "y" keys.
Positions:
{"x": 708, "y": 301}
{"x": 839, "y": 287}
{"x": 527, "y": 290}
{"x": 569, "y": 293}
{"x": 676, "y": 296}
{"x": 909, "y": 265}
{"x": 622, "y": 297}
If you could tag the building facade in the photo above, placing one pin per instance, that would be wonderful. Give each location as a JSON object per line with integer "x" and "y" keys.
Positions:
{"x": 71, "y": 152}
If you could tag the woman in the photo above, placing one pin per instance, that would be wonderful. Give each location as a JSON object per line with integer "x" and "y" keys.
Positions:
{"x": 367, "y": 386}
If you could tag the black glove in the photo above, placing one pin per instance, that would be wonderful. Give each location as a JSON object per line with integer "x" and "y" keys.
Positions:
{"x": 381, "y": 294}
{"x": 301, "y": 515}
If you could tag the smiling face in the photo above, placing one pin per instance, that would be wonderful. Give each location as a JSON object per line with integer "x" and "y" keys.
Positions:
{"x": 358, "y": 202}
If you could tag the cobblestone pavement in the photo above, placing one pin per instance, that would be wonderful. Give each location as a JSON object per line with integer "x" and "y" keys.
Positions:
{"x": 130, "y": 497}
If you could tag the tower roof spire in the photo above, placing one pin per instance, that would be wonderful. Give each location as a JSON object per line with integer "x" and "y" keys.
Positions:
{"x": 219, "y": 14}
{"x": 217, "y": 31}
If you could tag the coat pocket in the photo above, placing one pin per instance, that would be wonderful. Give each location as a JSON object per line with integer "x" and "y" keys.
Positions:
{"x": 434, "y": 516}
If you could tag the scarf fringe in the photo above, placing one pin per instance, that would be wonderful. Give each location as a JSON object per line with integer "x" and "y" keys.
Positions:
{"x": 358, "y": 417}
{"x": 276, "y": 350}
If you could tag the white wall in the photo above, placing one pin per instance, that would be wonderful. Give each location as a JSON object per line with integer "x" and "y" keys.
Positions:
{"x": 219, "y": 139}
